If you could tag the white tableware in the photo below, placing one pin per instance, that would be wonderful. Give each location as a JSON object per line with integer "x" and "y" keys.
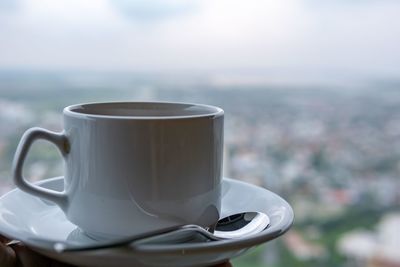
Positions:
{"x": 28, "y": 218}
{"x": 134, "y": 167}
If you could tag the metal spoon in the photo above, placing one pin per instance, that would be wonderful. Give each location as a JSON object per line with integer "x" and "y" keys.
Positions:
{"x": 231, "y": 227}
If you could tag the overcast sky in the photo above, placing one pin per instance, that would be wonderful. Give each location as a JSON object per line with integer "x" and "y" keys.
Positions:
{"x": 361, "y": 36}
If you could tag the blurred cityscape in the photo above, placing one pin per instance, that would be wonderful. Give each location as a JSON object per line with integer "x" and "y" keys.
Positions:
{"x": 332, "y": 152}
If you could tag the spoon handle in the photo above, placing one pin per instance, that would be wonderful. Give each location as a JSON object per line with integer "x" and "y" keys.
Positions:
{"x": 61, "y": 247}
{"x": 67, "y": 247}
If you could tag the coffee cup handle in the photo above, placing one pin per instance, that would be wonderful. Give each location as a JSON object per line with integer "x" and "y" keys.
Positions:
{"x": 29, "y": 137}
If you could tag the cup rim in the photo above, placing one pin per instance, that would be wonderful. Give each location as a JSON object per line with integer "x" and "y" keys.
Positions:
{"x": 69, "y": 111}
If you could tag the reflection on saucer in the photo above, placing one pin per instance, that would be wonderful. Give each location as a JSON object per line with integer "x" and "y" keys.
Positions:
{"x": 78, "y": 236}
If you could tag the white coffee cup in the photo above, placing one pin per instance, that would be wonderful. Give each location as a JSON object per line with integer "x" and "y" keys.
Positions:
{"x": 134, "y": 167}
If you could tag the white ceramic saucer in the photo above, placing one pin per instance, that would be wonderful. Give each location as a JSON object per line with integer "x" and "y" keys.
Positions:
{"x": 28, "y": 218}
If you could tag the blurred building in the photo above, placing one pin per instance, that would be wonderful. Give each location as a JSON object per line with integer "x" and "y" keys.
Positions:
{"x": 379, "y": 248}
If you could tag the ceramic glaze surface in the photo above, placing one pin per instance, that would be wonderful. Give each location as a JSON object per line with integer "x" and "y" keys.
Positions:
{"x": 30, "y": 219}
{"x": 137, "y": 167}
